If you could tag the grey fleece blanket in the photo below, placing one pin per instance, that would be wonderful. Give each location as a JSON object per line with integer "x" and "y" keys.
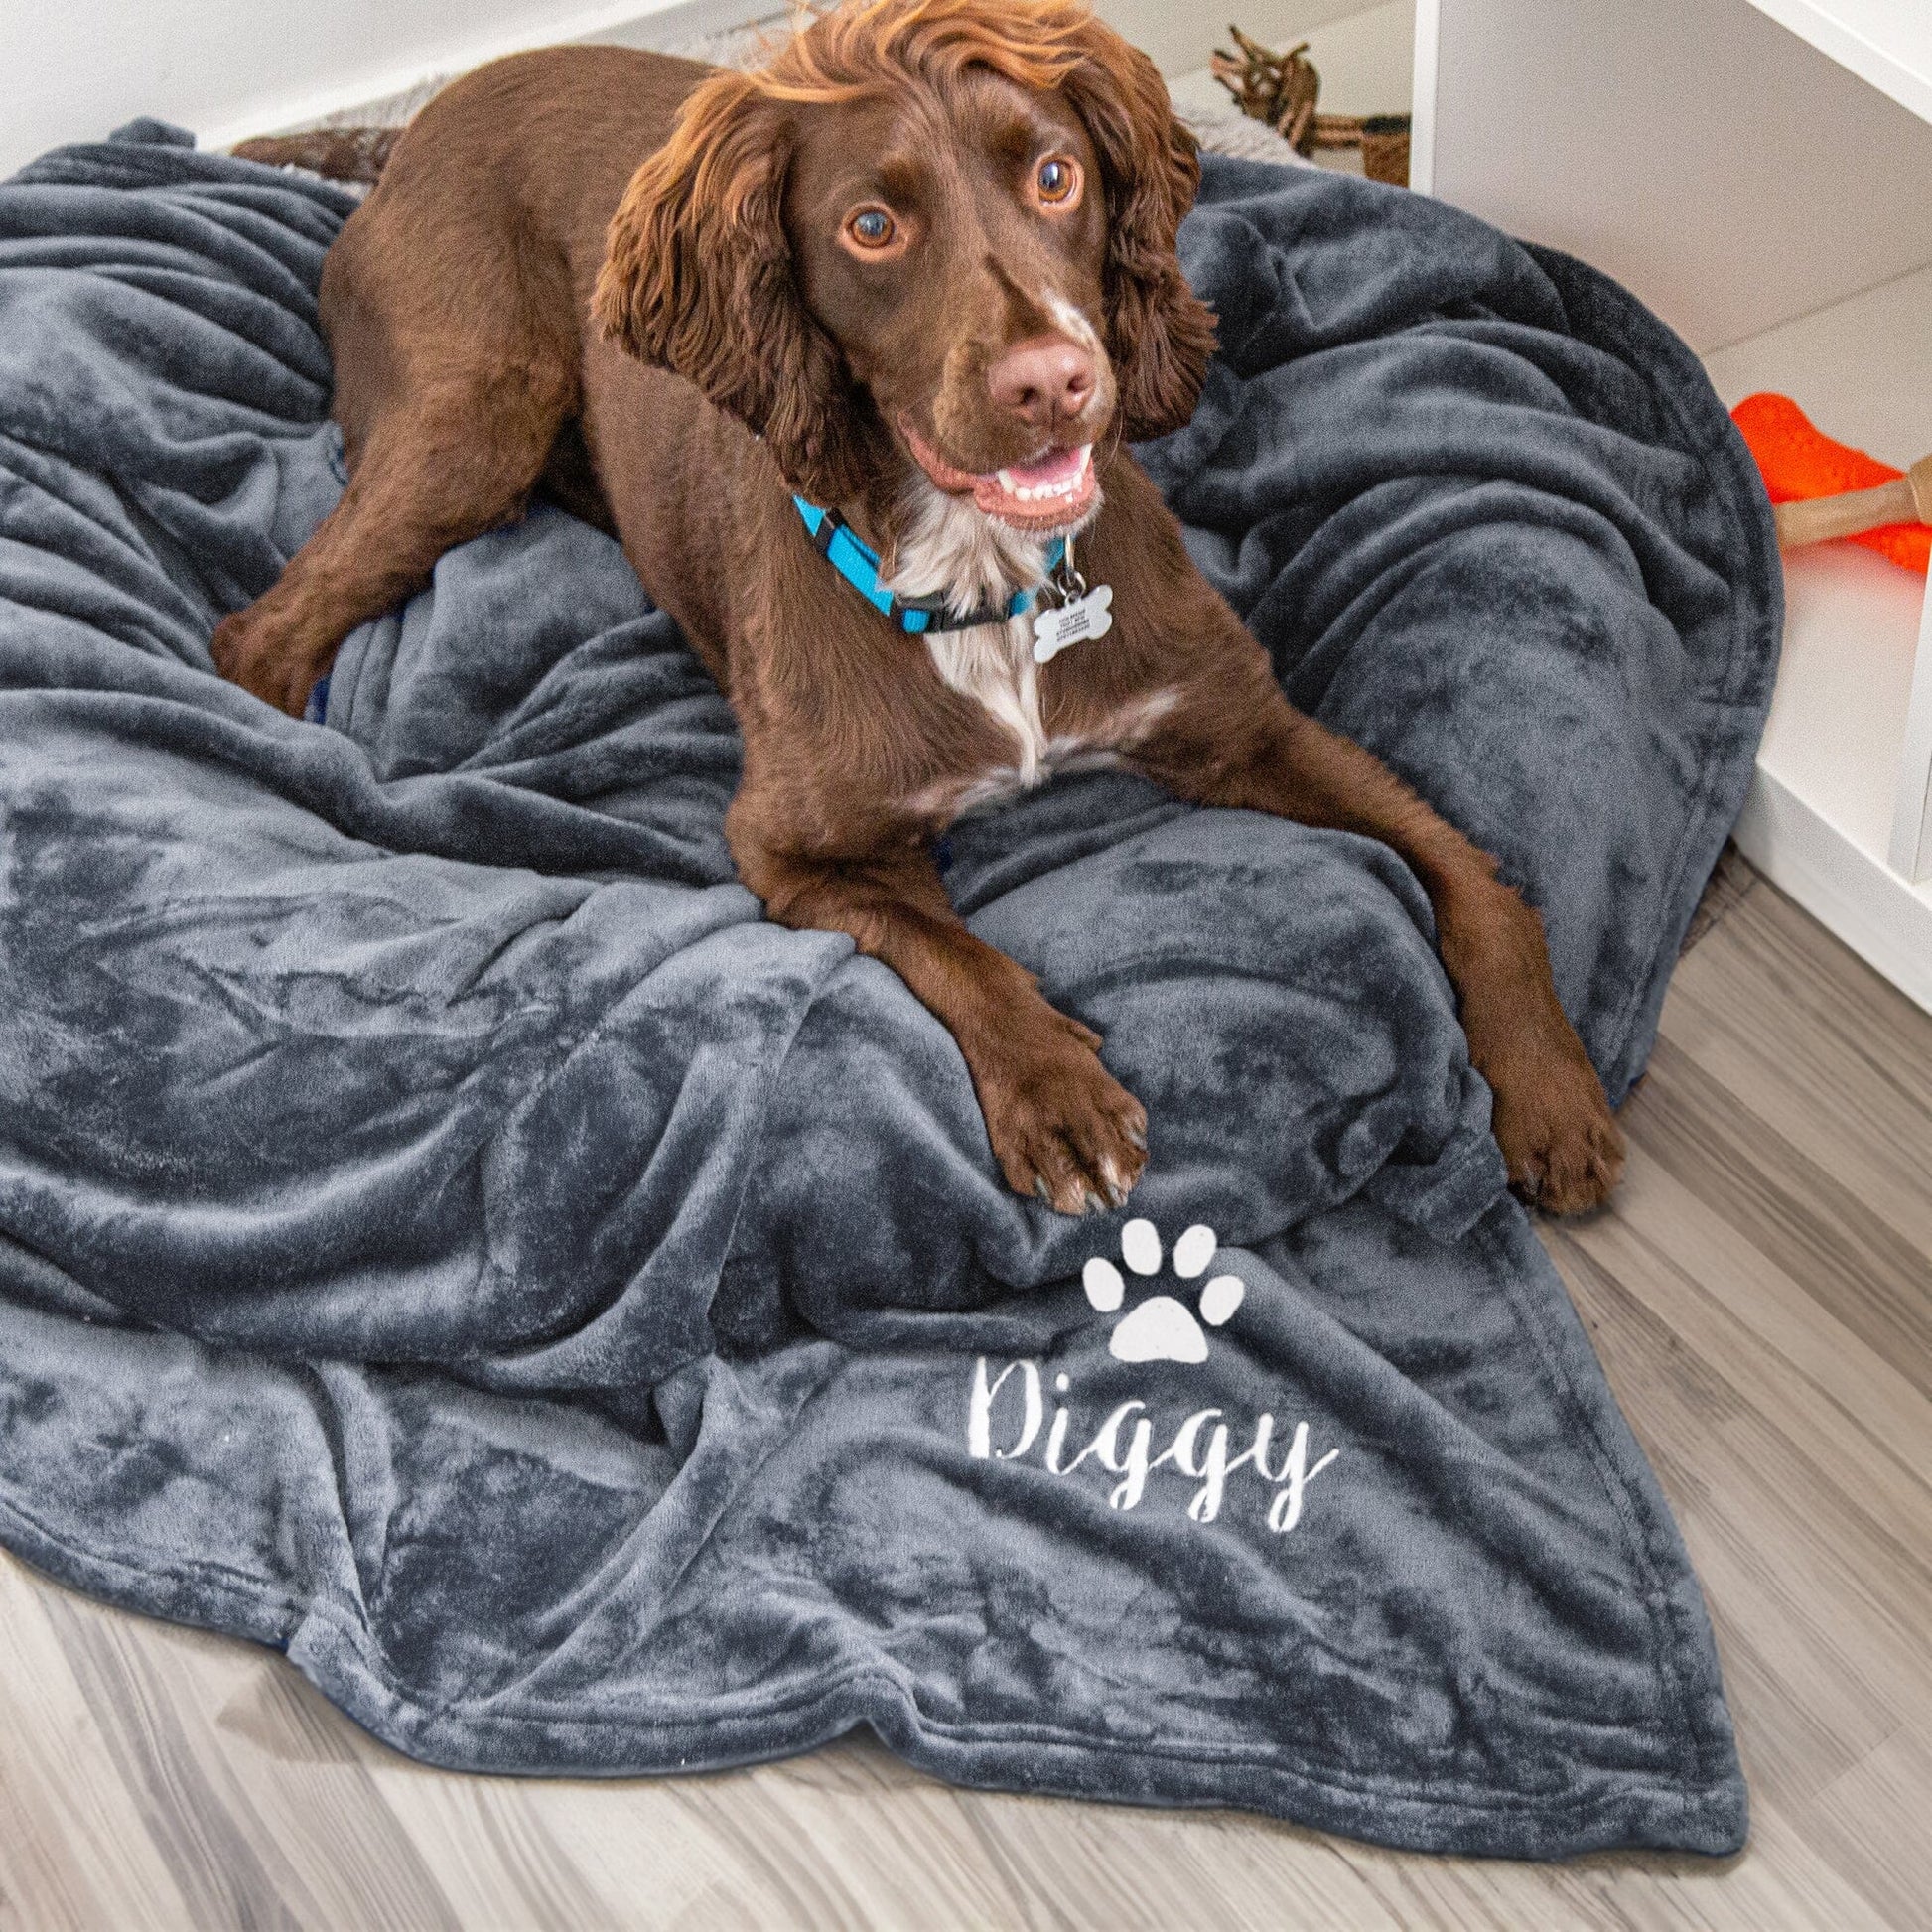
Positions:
{"x": 446, "y": 1234}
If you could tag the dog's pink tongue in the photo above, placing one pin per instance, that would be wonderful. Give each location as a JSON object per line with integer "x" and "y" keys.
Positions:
{"x": 1056, "y": 489}
{"x": 1054, "y": 467}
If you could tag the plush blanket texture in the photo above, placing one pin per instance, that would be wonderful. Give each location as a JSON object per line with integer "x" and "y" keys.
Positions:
{"x": 445, "y": 1233}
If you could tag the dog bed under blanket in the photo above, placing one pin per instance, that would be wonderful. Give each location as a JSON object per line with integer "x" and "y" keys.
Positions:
{"x": 445, "y": 1233}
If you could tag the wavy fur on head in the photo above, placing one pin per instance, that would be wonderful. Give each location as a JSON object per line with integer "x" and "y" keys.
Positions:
{"x": 698, "y": 278}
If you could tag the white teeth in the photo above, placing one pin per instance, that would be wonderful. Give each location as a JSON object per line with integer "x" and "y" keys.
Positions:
{"x": 1047, "y": 491}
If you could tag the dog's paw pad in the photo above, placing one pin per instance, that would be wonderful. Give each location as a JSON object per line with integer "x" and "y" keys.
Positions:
{"x": 1162, "y": 1329}
{"x": 1220, "y": 1298}
{"x": 1104, "y": 1286}
{"x": 1140, "y": 1247}
{"x": 1193, "y": 1252}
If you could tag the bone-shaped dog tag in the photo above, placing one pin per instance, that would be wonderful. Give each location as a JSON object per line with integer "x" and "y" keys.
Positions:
{"x": 1078, "y": 617}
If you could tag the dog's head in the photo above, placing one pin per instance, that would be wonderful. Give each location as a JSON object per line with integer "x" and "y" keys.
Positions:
{"x": 940, "y": 231}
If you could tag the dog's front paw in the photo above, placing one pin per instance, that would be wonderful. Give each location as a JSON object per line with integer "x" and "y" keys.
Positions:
{"x": 1560, "y": 1142}
{"x": 258, "y": 655}
{"x": 1062, "y": 1126}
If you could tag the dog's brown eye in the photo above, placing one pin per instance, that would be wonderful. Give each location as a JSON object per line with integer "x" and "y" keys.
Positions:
{"x": 1057, "y": 179}
{"x": 872, "y": 227}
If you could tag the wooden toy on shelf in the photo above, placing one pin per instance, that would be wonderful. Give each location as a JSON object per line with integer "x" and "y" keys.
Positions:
{"x": 1820, "y": 490}
{"x": 1283, "y": 90}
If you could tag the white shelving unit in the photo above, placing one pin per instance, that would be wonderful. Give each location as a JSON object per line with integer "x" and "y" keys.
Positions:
{"x": 1758, "y": 170}
{"x": 1839, "y": 812}
{"x": 1888, "y": 43}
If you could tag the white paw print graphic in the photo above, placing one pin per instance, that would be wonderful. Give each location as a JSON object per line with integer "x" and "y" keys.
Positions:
{"x": 1162, "y": 1329}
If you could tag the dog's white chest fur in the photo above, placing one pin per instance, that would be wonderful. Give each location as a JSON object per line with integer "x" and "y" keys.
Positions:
{"x": 993, "y": 664}
{"x": 957, "y": 553}
{"x": 950, "y": 549}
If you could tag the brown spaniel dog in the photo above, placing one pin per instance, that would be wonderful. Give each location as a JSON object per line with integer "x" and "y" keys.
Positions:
{"x": 846, "y": 352}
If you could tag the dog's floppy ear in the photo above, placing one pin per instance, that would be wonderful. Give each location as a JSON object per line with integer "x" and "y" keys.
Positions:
{"x": 1159, "y": 334}
{"x": 697, "y": 278}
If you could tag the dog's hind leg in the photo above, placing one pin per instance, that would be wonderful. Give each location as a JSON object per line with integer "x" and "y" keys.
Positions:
{"x": 454, "y": 460}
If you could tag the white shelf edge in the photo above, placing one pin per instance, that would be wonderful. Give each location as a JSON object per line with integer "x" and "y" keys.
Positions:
{"x": 1421, "y": 96}
{"x": 1911, "y": 824}
{"x": 1903, "y": 77}
{"x": 1885, "y": 921}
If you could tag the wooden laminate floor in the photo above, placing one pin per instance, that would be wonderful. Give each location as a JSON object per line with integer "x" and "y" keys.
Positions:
{"x": 1761, "y": 1296}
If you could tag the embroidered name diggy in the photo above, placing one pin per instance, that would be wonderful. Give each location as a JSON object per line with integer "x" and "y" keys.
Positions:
{"x": 1123, "y": 1445}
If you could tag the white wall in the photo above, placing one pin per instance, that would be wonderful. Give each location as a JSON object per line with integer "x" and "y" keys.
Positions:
{"x": 72, "y": 70}
{"x": 1730, "y": 175}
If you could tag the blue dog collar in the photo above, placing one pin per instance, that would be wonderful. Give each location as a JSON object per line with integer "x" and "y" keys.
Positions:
{"x": 859, "y": 566}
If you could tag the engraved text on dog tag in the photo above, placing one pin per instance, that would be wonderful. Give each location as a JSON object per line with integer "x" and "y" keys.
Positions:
{"x": 1069, "y": 623}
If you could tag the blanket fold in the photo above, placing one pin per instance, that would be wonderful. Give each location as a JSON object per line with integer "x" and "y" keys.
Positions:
{"x": 447, "y": 1234}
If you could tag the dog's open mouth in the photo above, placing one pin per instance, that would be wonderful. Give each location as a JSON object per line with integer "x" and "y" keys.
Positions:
{"x": 1051, "y": 492}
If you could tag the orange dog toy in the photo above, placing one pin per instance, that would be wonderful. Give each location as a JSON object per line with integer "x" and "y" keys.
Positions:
{"x": 1828, "y": 489}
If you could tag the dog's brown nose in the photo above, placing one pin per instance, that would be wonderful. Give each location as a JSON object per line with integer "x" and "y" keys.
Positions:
{"x": 1043, "y": 381}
